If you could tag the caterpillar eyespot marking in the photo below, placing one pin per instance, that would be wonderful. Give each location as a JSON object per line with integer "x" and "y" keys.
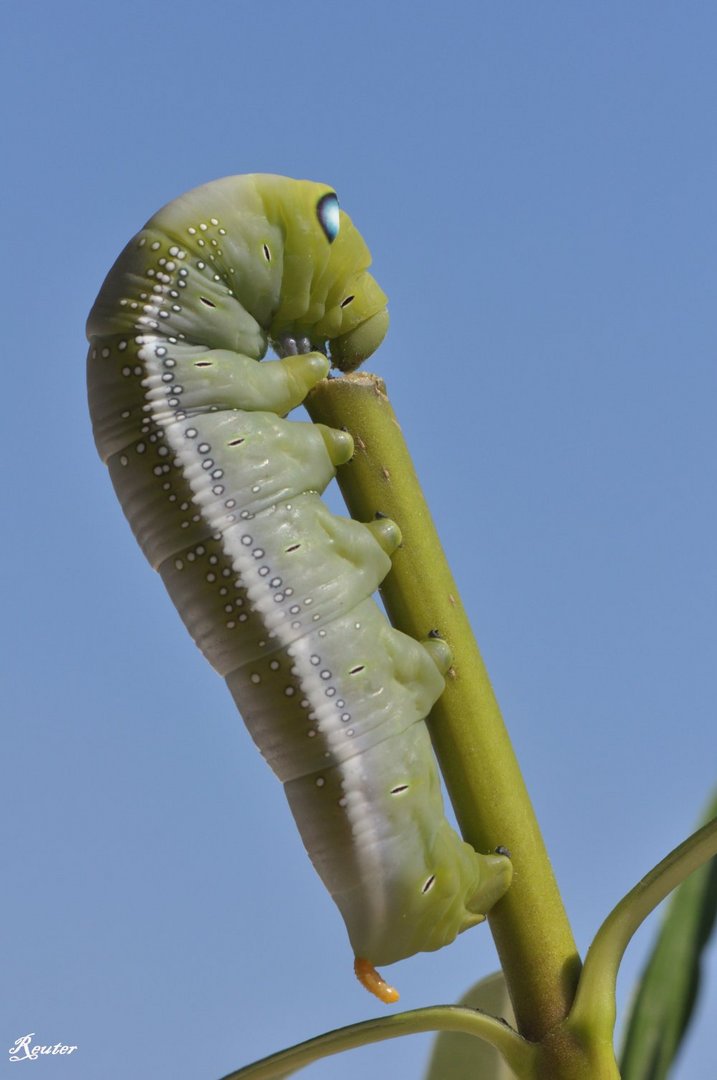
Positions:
{"x": 223, "y": 492}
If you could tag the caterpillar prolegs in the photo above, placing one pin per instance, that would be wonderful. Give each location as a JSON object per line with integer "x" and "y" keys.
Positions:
{"x": 223, "y": 495}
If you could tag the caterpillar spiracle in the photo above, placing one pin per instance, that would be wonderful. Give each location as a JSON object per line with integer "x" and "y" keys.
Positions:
{"x": 223, "y": 495}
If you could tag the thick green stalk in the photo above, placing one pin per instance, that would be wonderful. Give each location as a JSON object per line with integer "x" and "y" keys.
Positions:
{"x": 529, "y": 924}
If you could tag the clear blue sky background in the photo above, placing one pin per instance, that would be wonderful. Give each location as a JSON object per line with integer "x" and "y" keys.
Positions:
{"x": 537, "y": 184}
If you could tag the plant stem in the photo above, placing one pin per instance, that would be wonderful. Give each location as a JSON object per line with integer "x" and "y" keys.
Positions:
{"x": 529, "y": 924}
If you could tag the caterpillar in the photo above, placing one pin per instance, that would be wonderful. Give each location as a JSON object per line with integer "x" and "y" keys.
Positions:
{"x": 222, "y": 492}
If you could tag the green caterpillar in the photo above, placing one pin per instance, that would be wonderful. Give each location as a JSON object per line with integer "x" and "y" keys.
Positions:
{"x": 223, "y": 495}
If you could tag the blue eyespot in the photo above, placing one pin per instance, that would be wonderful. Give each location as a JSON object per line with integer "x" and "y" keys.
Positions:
{"x": 327, "y": 211}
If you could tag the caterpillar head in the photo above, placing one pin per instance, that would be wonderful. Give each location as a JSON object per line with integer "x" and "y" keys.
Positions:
{"x": 328, "y": 299}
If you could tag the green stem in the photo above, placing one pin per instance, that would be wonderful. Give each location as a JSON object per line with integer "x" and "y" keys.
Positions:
{"x": 529, "y": 924}
{"x": 516, "y": 1051}
{"x": 594, "y": 1006}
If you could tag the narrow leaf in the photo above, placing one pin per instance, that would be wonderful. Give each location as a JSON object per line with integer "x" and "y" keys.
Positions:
{"x": 594, "y": 1006}
{"x": 438, "y": 1018}
{"x": 667, "y": 992}
{"x": 457, "y": 1056}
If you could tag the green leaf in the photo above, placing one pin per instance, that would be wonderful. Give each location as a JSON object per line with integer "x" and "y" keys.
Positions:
{"x": 438, "y": 1018}
{"x": 594, "y": 1007}
{"x": 457, "y": 1056}
{"x": 668, "y": 989}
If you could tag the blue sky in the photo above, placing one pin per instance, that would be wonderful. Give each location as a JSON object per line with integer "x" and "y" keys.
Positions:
{"x": 537, "y": 185}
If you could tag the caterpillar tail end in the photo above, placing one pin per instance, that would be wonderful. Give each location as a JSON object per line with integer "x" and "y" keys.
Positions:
{"x": 372, "y": 981}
